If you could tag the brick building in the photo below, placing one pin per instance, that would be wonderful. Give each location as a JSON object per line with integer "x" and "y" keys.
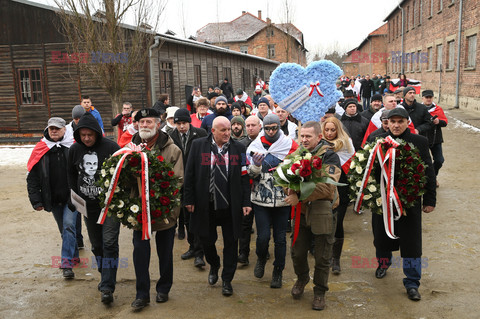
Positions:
{"x": 430, "y": 36}
{"x": 370, "y": 57}
{"x": 281, "y": 42}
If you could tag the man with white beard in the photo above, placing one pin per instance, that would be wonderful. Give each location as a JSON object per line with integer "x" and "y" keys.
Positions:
{"x": 149, "y": 132}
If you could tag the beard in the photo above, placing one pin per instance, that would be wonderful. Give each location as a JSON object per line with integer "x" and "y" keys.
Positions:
{"x": 221, "y": 111}
{"x": 237, "y": 132}
{"x": 146, "y": 133}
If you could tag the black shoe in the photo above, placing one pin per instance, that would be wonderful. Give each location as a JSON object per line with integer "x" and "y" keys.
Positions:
{"x": 68, "y": 273}
{"x": 413, "y": 294}
{"x": 259, "y": 270}
{"x": 188, "y": 254}
{"x": 199, "y": 262}
{"x": 161, "y": 297}
{"x": 213, "y": 275}
{"x": 243, "y": 259}
{"x": 138, "y": 304}
{"x": 181, "y": 233}
{"x": 80, "y": 244}
{"x": 380, "y": 272}
{"x": 107, "y": 297}
{"x": 227, "y": 289}
{"x": 276, "y": 278}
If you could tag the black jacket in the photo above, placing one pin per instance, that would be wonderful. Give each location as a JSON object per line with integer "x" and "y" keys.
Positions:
{"x": 47, "y": 183}
{"x": 194, "y": 133}
{"x": 409, "y": 227}
{"x": 368, "y": 113}
{"x": 366, "y": 88}
{"x": 160, "y": 107}
{"x": 84, "y": 163}
{"x": 421, "y": 118}
{"x": 227, "y": 89}
{"x": 356, "y": 126}
{"x": 435, "y": 135}
{"x": 197, "y": 179}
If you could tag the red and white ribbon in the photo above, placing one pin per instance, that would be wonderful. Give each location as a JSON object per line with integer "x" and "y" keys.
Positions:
{"x": 389, "y": 195}
{"x": 315, "y": 87}
{"x": 131, "y": 149}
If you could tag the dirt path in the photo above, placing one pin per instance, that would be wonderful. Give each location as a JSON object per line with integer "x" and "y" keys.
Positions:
{"x": 31, "y": 288}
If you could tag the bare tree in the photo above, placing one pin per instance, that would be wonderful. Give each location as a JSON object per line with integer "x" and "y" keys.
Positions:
{"x": 97, "y": 26}
{"x": 287, "y": 15}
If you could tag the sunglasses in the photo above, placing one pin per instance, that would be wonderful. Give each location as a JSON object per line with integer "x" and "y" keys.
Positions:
{"x": 271, "y": 128}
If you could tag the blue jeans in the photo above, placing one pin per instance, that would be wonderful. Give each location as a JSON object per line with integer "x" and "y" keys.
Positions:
{"x": 366, "y": 103}
{"x": 412, "y": 268}
{"x": 110, "y": 232}
{"x": 66, "y": 220}
{"x": 437, "y": 155}
{"x": 277, "y": 217}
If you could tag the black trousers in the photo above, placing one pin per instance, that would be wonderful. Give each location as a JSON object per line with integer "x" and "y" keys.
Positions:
{"x": 244, "y": 241}
{"x": 193, "y": 240}
{"x": 141, "y": 260}
{"x": 221, "y": 218}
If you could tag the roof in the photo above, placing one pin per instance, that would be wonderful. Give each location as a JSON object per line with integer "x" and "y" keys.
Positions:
{"x": 242, "y": 29}
{"x": 394, "y": 9}
{"x": 379, "y": 32}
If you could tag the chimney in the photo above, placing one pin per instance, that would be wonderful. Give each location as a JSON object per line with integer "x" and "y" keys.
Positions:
{"x": 260, "y": 14}
{"x": 269, "y": 21}
{"x": 243, "y": 12}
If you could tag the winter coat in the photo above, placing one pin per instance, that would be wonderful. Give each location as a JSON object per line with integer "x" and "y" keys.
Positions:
{"x": 421, "y": 119}
{"x": 171, "y": 154}
{"x": 408, "y": 228}
{"x": 122, "y": 121}
{"x": 160, "y": 107}
{"x": 97, "y": 116}
{"x": 197, "y": 181}
{"x": 290, "y": 129}
{"x": 208, "y": 120}
{"x": 435, "y": 135}
{"x": 376, "y": 84}
{"x": 227, "y": 89}
{"x": 193, "y": 134}
{"x": 85, "y": 162}
{"x": 368, "y": 113}
{"x": 366, "y": 88}
{"x": 356, "y": 127}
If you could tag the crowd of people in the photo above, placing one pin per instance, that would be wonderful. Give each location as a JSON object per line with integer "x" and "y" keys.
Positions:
{"x": 245, "y": 139}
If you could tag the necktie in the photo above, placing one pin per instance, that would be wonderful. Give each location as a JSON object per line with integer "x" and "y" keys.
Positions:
{"x": 184, "y": 141}
{"x": 219, "y": 178}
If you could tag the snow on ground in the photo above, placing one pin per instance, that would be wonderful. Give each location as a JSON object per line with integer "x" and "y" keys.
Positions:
{"x": 15, "y": 155}
{"x": 466, "y": 126}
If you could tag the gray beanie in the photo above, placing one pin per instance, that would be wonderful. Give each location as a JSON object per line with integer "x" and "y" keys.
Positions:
{"x": 272, "y": 119}
{"x": 77, "y": 111}
{"x": 221, "y": 98}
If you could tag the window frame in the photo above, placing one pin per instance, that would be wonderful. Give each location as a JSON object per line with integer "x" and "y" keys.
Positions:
{"x": 30, "y": 86}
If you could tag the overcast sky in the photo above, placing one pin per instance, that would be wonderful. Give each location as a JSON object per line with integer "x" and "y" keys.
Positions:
{"x": 325, "y": 23}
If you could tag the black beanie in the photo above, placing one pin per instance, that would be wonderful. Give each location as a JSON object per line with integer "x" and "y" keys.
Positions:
{"x": 182, "y": 115}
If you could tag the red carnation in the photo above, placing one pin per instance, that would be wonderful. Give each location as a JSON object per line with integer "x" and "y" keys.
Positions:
{"x": 416, "y": 177}
{"x": 158, "y": 176}
{"x": 166, "y": 211}
{"x": 403, "y": 181}
{"x": 139, "y": 218}
{"x": 175, "y": 192}
{"x": 305, "y": 171}
{"x": 164, "y": 184}
{"x": 405, "y": 170}
{"x": 403, "y": 190}
{"x": 415, "y": 189}
{"x": 152, "y": 193}
{"x": 152, "y": 180}
{"x": 411, "y": 198}
{"x": 160, "y": 158}
{"x": 305, "y": 163}
{"x": 420, "y": 168}
{"x": 171, "y": 173}
{"x": 407, "y": 147}
{"x": 409, "y": 160}
{"x": 164, "y": 200}
{"x": 156, "y": 213}
{"x": 317, "y": 163}
{"x": 295, "y": 167}
{"x": 133, "y": 162}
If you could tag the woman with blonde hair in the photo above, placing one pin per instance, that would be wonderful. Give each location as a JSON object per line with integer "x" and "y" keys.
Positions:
{"x": 334, "y": 133}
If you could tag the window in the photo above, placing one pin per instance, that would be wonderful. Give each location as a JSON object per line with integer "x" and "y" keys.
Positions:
{"x": 439, "y": 57}
{"x": 269, "y": 32}
{"x": 421, "y": 12}
{"x": 262, "y": 74}
{"x": 271, "y": 51}
{"x": 431, "y": 8}
{"x": 246, "y": 79}
{"x": 244, "y": 49}
{"x": 471, "y": 51}
{"x": 451, "y": 55}
{"x": 197, "y": 74}
{"x": 440, "y": 6}
{"x": 227, "y": 73}
{"x": 430, "y": 58}
{"x": 215, "y": 75}
{"x": 414, "y": 13}
{"x": 407, "y": 21}
{"x": 420, "y": 60}
{"x": 31, "y": 87}
{"x": 166, "y": 80}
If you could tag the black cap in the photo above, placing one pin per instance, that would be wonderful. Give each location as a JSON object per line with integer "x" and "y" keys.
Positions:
{"x": 377, "y": 97}
{"x": 398, "y": 111}
{"x": 182, "y": 115}
{"x": 427, "y": 93}
{"x": 408, "y": 89}
{"x": 347, "y": 102}
{"x": 146, "y": 113}
{"x": 349, "y": 93}
{"x": 212, "y": 95}
{"x": 239, "y": 92}
{"x": 398, "y": 91}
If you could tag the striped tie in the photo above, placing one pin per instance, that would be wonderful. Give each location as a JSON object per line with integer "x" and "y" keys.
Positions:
{"x": 219, "y": 178}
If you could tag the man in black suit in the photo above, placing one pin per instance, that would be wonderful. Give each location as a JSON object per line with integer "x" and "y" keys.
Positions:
{"x": 217, "y": 193}
{"x": 183, "y": 136}
{"x": 408, "y": 227}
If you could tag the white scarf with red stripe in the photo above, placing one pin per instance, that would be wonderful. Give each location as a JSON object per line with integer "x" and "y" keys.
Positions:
{"x": 45, "y": 145}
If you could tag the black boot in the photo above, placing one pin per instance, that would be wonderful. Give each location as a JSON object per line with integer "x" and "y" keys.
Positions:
{"x": 336, "y": 253}
{"x": 276, "y": 278}
{"x": 259, "y": 268}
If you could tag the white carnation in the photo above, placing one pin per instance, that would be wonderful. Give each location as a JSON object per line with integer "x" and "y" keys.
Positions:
{"x": 111, "y": 206}
{"x": 308, "y": 156}
{"x": 289, "y": 172}
{"x": 361, "y": 157}
{"x": 134, "y": 208}
{"x": 117, "y": 189}
{"x": 107, "y": 183}
{"x": 120, "y": 215}
{"x": 372, "y": 188}
{"x": 359, "y": 184}
{"x": 130, "y": 219}
{"x": 103, "y": 173}
{"x": 120, "y": 204}
{"x": 367, "y": 197}
{"x": 112, "y": 170}
{"x": 352, "y": 165}
{"x": 367, "y": 147}
{"x": 286, "y": 162}
{"x": 379, "y": 201}
{"x": 359, "y": 169}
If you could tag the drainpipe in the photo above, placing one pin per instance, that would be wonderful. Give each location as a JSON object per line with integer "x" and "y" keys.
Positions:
{"x": 150, "y": 58}
{"x": 401, "y": 49}
{"x": 459, "y": 43}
